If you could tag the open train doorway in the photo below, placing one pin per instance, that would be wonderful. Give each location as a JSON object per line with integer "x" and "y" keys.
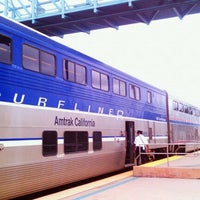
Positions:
{"x": 130, "y": 137}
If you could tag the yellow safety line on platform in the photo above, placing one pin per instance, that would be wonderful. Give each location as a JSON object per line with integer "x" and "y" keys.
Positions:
{"x": 160, "y": 162}
{"x": 85, "y": 187}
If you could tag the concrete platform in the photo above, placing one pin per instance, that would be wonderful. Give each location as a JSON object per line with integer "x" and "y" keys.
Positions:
{"x": 180, "y": 181}
{"x": 187, "y": 167}
{"x": 144, "y": 188}
{"x": 128, "y": 187}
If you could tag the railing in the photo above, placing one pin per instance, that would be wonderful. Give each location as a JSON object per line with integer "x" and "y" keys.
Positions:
{"x": 171, "y": 149}
{"x": 34, "y": 9}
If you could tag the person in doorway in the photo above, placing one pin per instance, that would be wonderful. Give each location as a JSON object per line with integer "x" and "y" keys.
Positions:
{"x": 141, "y": 146}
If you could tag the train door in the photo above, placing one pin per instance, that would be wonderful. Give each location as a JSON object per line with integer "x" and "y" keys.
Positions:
{"x": 130, "y": 137}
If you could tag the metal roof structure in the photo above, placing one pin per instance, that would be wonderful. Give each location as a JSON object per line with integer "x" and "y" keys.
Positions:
{"x": 59, "y": 17}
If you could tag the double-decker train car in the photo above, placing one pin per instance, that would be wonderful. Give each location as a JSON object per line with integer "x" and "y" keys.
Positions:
{"x": 184, "y": 121}
{"x": 66, "y": 117}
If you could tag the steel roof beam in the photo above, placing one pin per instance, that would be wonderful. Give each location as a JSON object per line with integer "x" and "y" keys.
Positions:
{"x": 187, "y": 11}
{"x": 82, "y": 28}
{"x": 111, "y": 24}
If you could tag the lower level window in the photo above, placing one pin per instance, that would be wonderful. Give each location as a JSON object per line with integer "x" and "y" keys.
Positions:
{"x": 75, "y": 141}
{"x": 49, "y": 143}
{"x": 97, "y": 140}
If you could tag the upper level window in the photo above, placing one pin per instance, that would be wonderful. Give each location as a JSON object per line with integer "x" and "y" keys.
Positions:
{"x": 181, "y": 107}
{"x": 74, "y": 72}
{"x": 39, "y": 61}
{"x": 134, "y": 92}
{"x": 47, "y": 63}
{"x": 175, "y": 105}
{"x": 31, "y": 58}
{"x": 197, "y": 112}
{"x": 149, "y": 97}
{"x": 119, "y": 87}
{"x": 100, "y": 81}
{"x": 185, "y": 108}
{"x": 5, "y": 49}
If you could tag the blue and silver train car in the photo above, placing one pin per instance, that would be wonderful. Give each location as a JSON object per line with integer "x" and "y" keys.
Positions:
{"x": 184, "y": 126}
{"x": 65, "y": 116}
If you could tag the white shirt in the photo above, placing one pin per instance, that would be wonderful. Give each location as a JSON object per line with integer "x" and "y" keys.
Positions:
{"x": 141, "y": 141}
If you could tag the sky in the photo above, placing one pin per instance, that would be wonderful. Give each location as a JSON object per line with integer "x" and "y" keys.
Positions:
{"x": 165, "y": 53}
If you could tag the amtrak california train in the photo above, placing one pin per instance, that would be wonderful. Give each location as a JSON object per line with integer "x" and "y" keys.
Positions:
{"x": 66, "y": 117}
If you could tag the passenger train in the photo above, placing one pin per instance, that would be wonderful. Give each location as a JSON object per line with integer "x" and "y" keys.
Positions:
{"x": 66, "y": 117}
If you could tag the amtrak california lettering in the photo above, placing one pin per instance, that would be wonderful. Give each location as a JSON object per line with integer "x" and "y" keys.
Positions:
{"x": 73, "y": 122}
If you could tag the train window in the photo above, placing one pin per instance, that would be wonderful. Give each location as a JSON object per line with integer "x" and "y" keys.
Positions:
{"x": 149, "y": 97}
{"x": 80, "y": 74}
{"x": 74, "y": 72}
{"x": 49, "y": 143}
{"x": 186, "y": 109}
{"x": 122, "y": 88}
{"x": 134, "y": 92}
{"x": 69, "y": 142}
{"x": 47, "y": 65}
{"x": 31, "y": 58}
{"x": 137, "y": 93}
{"x": 75, "y": 141}
{"x": 181, "y": 107}
{"x": 82, "y": 141}
{"x": 38, "y": 61}
{"x": 5, "y": 49}
{"x": 97, "y": 140}
{"x": 191, "y": 111}
{"x": 70, "y": 71}
{"x": 100, "y": 81}
{"x": 104, "y": 82}
{"x": 96, "y": 80}
{"x": 197, "y": 112}
{"x": 175, "y": 105}
{"x": 119, "y": 87}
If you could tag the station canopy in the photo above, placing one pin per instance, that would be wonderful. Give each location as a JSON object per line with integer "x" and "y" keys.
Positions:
{"x": 59, "y": 17}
